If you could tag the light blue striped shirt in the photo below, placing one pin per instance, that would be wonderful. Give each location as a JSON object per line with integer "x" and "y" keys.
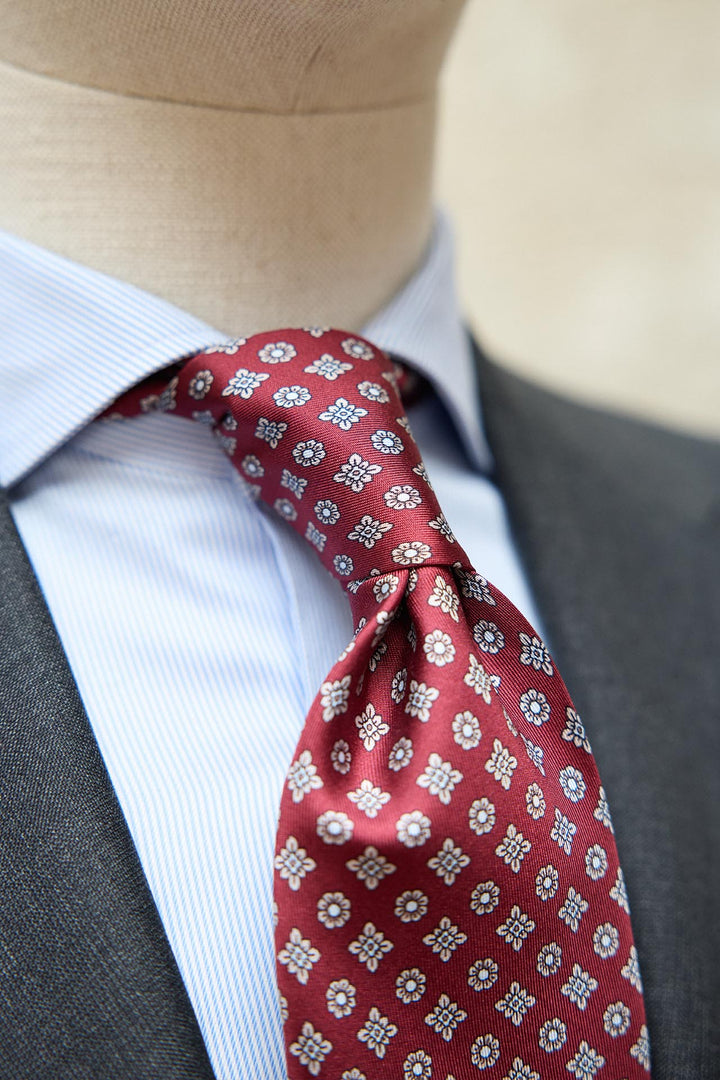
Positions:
{"x": 197, "y": 625}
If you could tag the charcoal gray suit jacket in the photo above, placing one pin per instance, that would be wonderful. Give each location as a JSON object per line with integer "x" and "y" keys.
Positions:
{"x": 619, "y": 527}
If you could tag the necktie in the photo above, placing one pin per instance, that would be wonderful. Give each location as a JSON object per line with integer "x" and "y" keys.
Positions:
{"x": 449, "y": 900}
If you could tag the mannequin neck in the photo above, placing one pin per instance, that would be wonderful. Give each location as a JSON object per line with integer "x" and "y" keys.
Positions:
{"x": 311, "y": 204}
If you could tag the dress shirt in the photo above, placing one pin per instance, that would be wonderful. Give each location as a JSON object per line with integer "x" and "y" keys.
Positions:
{"x": 197, "y": 625}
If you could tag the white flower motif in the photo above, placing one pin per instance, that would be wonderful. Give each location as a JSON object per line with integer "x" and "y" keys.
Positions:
{"x": 370, "y": 946}
{"x": 439, "y": 778}
{"x": 334, "y": 696}
{"x": 616, "y": 1019}
{"x": 398, "y": 686}
{"x": 373, "y": 392}
{"x": 411, "y": 906}
{"x": 488, "y": 638}
{"x": 413, "y": 828}
{"x": 200, "y": 384}
{"x": 520, "y": 1071}
{"x": 445, "y": 1017}
{"x": 299, "y": 956}
{"x": 481, "y": 682}
{"x": 228, "y": 349}
{"x": 574, "y": 730}
{"x": 369, "y": 798}
{"x": 340, "y": 998}
{"x": 534, "y": 654}
{"x": 563, "y": 832}
{"x": 573, "y": 784}
{"x": 278, "y": 352}
{"x": 411, "y": 553}
{"x": 441, "y": 525}
{"x": 449, "y": 861}
{"x": 481, "y": 816}
{"x": 303, "y": 777}
{"x": 311, "y": 1048}
{"x": 343, "y": 414}
{"x": 284, "y": 1009}
{"x": 596, "y": 862}
{"x": 293, "y": 863}
{"x": 501, "y": 764}
{"x": 289, "y": 397}
{"x": 417, "y": 1066}
{"x": 553, "y": 1035}
{"x": 443, "y": 596}
{"x": 316, "y": 332}
{"x": 535, "y": 707}
{"x": 573, "y": 908}
{"x": 316, "y": 538}
{"x": 579, "y": 987}
{"x": 371, "y": 727}
{"x": 438, "y": 648}
{"x": 466, "y": 730}
{"x": 473, "y": 585}
{"x": 355, "y": 473}
{"x": 631, "y": 970}
{"x": 244, "y": 383}
{"x": 341, "y": 757}
{"x": 400, "y": 754}
{"x": 606, "y": 940}
{"x": 546, "y": 882}
{"x": 371, "y": 867}
{"x": 228, "y": 443}
{"x": 601, "y": 812}
{"x": 334, "y": 827}
{"x": 368, "y": 531}
{"x": 353, "y": 1074}
{"x": 549, "y": 959}
{"x": 535, "y": 753}
{"x": 385, "y": 442}
{"x": 333, "y": 910}
{"x": 359, "y": 350}
{"x": 483, "y": 974}
{"x": 535, "y": 802}
{"x": 270, "y": 431}
{"x": 619, "y": 892}
{"x": 420, "y": 700}
{"x": 513, "y": 848}
{"x": 343, "y": 565}
{"x": 295, "y": 484}
{"x": 327, "y": 512}
{"x": 586, "y": 1063}
{"x": 485, "y": 1051}
{"x": 377, "y": 1032}
{"x": 308, "y": 453}
{"x": 385, "y": 585}
{"x": 252, "y": 467}
{"x": 328, "y": 367}
{"x": 445, "y": 939}
{"x": 641, "y": 1049}
{"x": 485, "y": 898}
{"x": 402, "y": 497}
{"x": 516, "y": 928}
{"x": 515, "y": 1004}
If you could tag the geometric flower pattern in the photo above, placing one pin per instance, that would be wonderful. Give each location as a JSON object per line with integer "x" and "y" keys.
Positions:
{"x": 449, "y": 898}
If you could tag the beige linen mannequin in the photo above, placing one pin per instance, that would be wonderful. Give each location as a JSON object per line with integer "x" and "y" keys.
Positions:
{"x": 259, "y": 163}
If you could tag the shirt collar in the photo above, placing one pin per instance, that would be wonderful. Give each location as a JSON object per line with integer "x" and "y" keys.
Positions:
{"x": 63, "y": 325}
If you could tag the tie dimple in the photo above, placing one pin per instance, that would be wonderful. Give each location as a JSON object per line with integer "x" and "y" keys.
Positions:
{"x": 449, "y": 898}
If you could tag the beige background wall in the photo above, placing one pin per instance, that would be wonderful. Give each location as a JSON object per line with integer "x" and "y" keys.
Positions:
{"x": 580, "y": 159}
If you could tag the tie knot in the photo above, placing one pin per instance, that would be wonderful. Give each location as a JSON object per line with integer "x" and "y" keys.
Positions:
{"x": 314, "y": 422}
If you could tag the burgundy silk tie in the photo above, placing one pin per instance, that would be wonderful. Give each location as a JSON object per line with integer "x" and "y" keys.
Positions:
{"x": 448, "y": 895}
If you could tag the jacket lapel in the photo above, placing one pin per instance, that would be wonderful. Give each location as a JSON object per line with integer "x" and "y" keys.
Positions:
{"x": 619, "y": 526}
{"x": 88, "y": 984}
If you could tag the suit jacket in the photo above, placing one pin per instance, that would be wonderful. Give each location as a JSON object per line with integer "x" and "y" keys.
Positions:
{"x": 619, "y": 526}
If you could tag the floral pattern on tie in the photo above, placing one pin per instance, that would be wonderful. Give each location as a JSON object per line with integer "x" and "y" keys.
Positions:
{"x": 449, "y": 901}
